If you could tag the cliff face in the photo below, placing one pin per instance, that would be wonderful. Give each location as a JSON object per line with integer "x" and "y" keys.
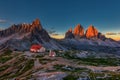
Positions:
{"x": 35, "y": 30}
{"x": 21, "y": 28}
{"x": 22, "y": 36}
{"x": 101, "y": 36}
{"x": 69, "y": 34}
{"x": 79, "y": 31}
{"x": 91, "y": 32}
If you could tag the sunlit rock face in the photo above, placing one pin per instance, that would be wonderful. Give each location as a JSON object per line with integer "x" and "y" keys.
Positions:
{"x": 91, "y": 32}
{"x": 69, "y": 34}
{"x": 36, "y": 23}
{"x": 78, "y": 31}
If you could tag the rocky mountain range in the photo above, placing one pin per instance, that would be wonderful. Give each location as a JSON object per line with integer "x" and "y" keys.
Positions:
{"x": 22, "y": 36}
{"x": 91, "y": 39}
{"x": 23, "y": 29}
{"x": 69, "y": 34}
{"x": 79, "y": 32}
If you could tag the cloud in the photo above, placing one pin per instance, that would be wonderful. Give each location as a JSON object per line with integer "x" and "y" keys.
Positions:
{"x": 51, "y": 31}
{"x": 3, "y": 21}
{"x": 56, "y": 34}
{"x": 53, "y": 34}
{"x": 119, "y": 33}
{"x": 111, "y": 33}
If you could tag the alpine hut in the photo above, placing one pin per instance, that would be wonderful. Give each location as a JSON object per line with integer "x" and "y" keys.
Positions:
{"x": 36, "y": 48}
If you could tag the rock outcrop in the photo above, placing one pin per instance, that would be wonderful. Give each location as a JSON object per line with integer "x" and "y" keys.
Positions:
{"x": 22, "y": 28}
{"x": 37, "y": 24}
{"x": 101, "y": 36}
{"x": 35, "y": 30}
{"x": 91, "y": 32}
{"x": 22, "y": 36}
{"x": 78, "y": 31}
{"x": 69, "y": 34}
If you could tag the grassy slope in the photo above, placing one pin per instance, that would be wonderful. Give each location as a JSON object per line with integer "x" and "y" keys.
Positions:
{"x": 23, "y": 68}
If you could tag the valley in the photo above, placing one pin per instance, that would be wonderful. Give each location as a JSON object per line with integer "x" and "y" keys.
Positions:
{"x": 72, "y": 64}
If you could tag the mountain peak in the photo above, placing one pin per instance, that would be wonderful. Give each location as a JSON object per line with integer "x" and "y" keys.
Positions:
{"x": 69, "y": 34}
{"x": 36, "y": 22}
{"x": 91, "y": 32}
{"x": 22, "y": 28}
{"x": 70, "y": 30}
{"x": 91, "y": 27}
{"x": 79, "y": 30}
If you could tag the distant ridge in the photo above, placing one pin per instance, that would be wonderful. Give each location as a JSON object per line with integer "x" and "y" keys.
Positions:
{"x": 79, "y": 32}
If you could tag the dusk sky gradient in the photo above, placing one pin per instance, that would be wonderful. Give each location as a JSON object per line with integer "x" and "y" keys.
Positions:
{"x": 60, "y": 15}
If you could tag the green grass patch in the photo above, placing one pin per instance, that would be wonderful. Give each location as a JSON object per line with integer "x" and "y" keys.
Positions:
{"x": 4, "y": 77}
{"x": 5, "y": 59}
{"x": 70, "y": 77}
{"x": 6, "y": 52}
{"x": 22, "y": 69}
{"x": 99, "y": 61}
{"x": 70, "y": 69}
{"x": 4, "y": 68}
{"x": 91, "y": 60}
{"x": 45, "y": 61}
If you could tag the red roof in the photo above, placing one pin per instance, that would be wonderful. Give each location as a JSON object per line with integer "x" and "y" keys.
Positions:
{"x": 36, "y": 46}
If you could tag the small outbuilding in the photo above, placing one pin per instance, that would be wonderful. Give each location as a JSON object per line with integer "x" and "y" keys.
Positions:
{"x": 36, "y": 48}
{"x": 52, "y": 53}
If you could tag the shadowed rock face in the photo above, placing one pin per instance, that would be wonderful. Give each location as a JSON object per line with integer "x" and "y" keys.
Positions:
{"x": 69, "y": 34}
{"x": 22, "y": 36}
{"x": 101, "y": 36}
{"x": 21, "y": 28}
{"x": 35, "y": 30}
{"x": 79, "y": 31}
{"x": 91, "y": 32}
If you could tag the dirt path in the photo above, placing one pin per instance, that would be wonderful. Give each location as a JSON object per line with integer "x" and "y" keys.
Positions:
{"x": 63, "y": 61}
{"x": 21, "y": 77}
{"x": 108, "y": 68}
{"x": 3, "y": 48}
{"x": 10, "y": 61}
{"x": 93, "y": 68}
{"x": 6, "y": 71}
{"x": 59, "y": 61}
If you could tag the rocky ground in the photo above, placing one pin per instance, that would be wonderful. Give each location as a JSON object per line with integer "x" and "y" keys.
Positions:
{"x": 67, "y": 65}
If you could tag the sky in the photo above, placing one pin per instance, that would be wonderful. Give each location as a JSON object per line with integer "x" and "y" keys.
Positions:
{"x": 57, "y": 16}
